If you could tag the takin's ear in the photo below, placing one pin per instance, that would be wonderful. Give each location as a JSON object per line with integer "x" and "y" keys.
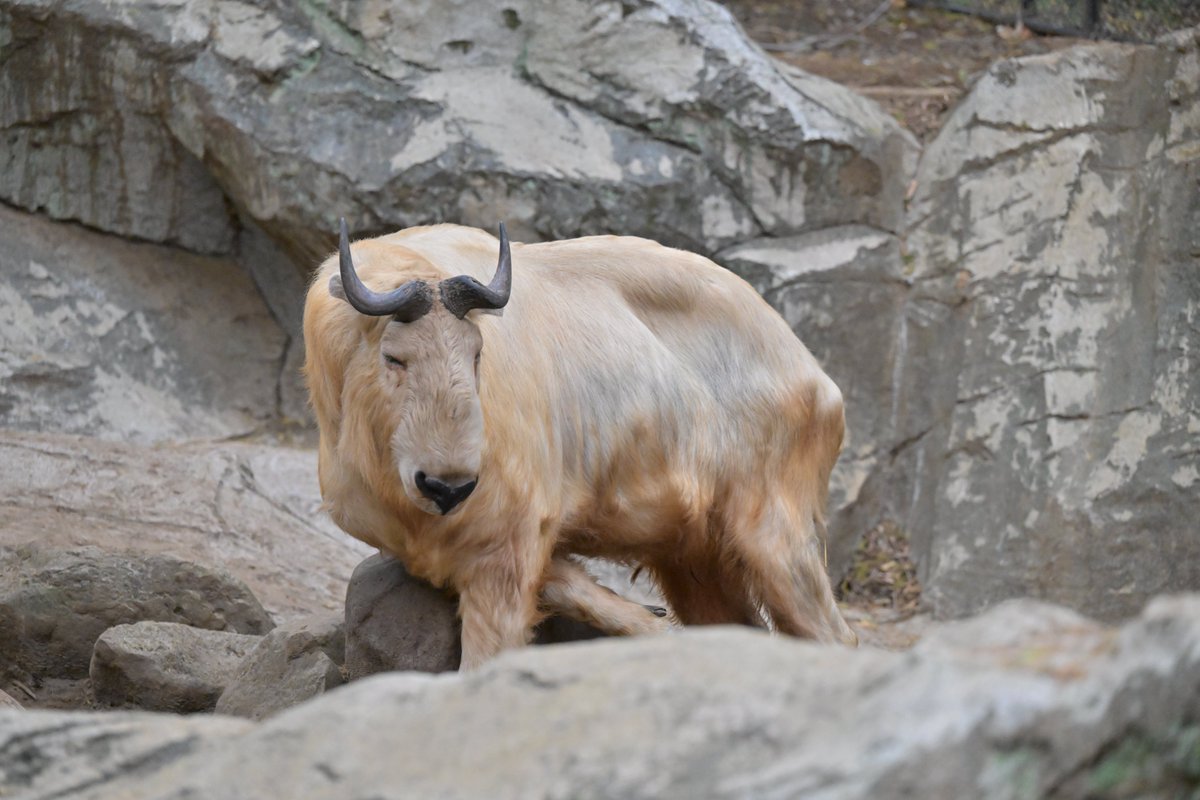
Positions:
{"x": 335, "y": 287}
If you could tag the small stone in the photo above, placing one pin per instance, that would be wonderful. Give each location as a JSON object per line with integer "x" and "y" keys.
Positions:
{"x": 165, "y": 666}
{"x": 294, "y": 662}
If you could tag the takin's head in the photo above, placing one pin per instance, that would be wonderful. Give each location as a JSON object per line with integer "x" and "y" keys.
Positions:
{"x": 428, "y": 368}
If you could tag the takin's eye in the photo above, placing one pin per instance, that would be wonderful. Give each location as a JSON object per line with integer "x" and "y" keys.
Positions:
{"x": 477, "y": 356}
{"x": 394, "y": 363}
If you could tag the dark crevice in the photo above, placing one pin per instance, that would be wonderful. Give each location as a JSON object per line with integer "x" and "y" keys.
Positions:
{"x": 130, "y": 237}
{"x": 898, "y": 448}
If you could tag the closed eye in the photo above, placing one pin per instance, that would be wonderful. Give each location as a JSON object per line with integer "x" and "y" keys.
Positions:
{"x": 394, "y": 363}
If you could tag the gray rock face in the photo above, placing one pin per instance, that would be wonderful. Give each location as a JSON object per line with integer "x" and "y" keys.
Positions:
{"x": 94, "y": 149}
{"x": 401, "y": 114}
{"x": 165, "y": 666}
{"x": 114, "y": 339}
{"x": 1026, "y": 701}
{"x": 293, "y": 663}
{"x": 54, "y": 604}
{"x": 253, "y": 510}
{"x": 1051, "y": 390}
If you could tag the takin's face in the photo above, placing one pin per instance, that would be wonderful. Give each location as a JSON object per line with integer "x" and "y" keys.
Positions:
{"x": 429, "y": 369}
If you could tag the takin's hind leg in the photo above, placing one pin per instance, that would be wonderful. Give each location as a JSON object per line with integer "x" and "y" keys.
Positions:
{"x": 705, "y": 591}
{"x": 569, "y": 590}
{"x": 785, "y": 567}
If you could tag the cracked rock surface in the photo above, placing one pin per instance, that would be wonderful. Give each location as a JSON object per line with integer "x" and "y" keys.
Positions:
{"x": 395, "y": 114}
{"x": 111, "y": 338}
{"x": 1051, "y": 398}
{"x": 1027, "y": 700}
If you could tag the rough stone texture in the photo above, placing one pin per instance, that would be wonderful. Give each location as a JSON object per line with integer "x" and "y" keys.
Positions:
{"x": 109, "y": 338}
{"x": 1026, "y": 701}
{"x": 408, "y": 113}
{"x": 165, "y": 666}
{"x": 54, "y": 604}
{"x": 84, "y": 142}
{"x": 293, "y": 663}
{"x": 843, "y": 291}
{"x": 85, "y": 755}
{"x": 397, "y": 622}
{"x": 251, "y": 509}
{"x": 1051, "y": 396}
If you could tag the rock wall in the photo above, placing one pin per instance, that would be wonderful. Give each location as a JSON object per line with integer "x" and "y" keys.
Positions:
{"x": 1050, "y": 400}
{"x": 131, "y": 341}
{"x": 395, "y": 114}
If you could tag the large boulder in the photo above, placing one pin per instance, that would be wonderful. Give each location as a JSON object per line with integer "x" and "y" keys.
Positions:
{"x": 397, "y": 622}
{"x": 1026, "y": 701}
{"x": 253, "y": 510}
{"x": 395, "y": 113}
{"x": 54, "y": 604}
{"x": 1050, "y": 392}
{"x": 165, "y": 666}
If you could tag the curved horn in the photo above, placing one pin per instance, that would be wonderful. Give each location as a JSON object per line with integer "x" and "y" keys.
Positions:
{"x": 462, "y": 293}
{"x": 406, "y": 303}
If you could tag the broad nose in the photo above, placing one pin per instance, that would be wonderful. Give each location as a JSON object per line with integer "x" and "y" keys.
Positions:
{"x": 445, "y": 493}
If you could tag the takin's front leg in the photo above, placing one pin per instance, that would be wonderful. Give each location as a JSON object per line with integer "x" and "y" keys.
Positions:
{"x": 569, "y": 590}
{"x": 498, "y": 607}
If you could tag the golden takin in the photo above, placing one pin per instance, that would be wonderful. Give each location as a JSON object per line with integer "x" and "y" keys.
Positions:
{"x": 604, "y": 396}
